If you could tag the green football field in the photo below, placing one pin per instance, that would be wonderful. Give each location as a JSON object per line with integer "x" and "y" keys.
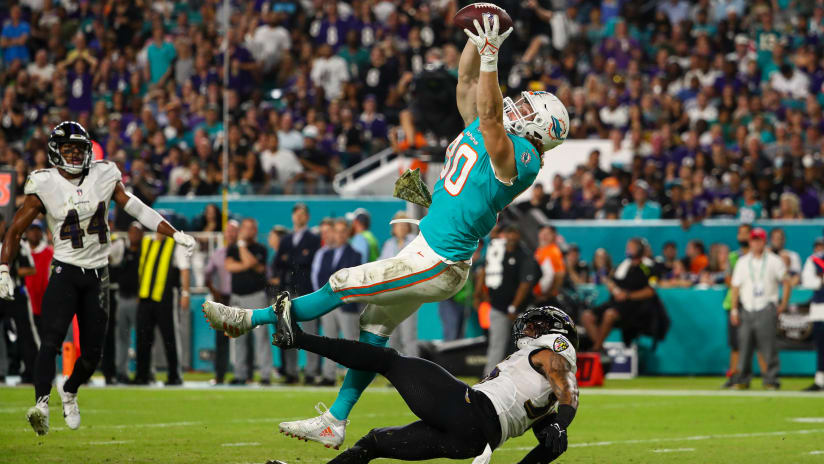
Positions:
{"x": 646, "y": 420}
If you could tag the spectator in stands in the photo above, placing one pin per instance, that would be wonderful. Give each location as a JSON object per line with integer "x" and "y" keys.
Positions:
{"x": 13, "y": 38}
{"x": 551, "y": 263}
{"x": 633, "y": 305}
{"x": 198, "y": 184}
{"x": 696, "y": 258}
{"x": 280, "y": 165}
{"x": 665, "y": 262}
{"x": 237, "y": 185}
{"x": 601, "y": 267}
{"x": 778, "y": 240}
{"x": 363, "y": 240}
{"x": 293, "y": 270}
{"x": 246, "y": 262}
{"x": 336, "y": 254}
{"x": 677, "y": 277}
{"x": 219, "y": 282}
{"x": 317, "y": 165}
{"x": 718, "y": 267}
{"x": 789, "y": 207}
{"x": 811, "y": 278}
{"x": 577, "y": 269}
{"x": 756, "y": 279}
{"x": 641, "y": 208}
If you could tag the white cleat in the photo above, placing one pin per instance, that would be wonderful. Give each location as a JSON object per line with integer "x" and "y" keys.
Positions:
{"x": 38, "y": 416}
{"x": 233, "y": 321}
{"x": 324, "y": 429}
{"x": 70, "y": 411}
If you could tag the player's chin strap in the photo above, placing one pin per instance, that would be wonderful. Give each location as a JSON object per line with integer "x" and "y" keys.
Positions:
{"x": 405, "y": 220}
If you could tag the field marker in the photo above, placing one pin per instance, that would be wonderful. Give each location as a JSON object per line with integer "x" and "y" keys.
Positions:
{"x": 251, "y": 443}
{"x": 688, "y": 438}
{"x": 673, "y": 450}
{"x": 808, "y": 420}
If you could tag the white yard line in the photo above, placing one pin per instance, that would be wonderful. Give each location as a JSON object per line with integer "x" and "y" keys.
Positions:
{"x": 807, "y": 420}
{"x": 109, "y": 442}
{"x": 687, "y": 438}
{"x": 673, "y": 450}
{"x": 816, "y": 452}
{"x": 251, "y": 443}
{"x": 723, "y": 393}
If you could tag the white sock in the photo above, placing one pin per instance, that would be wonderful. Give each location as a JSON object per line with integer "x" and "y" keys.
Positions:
{"x": 819, "y": 378}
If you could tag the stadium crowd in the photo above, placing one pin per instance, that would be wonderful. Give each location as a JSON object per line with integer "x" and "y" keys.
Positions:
{"x": 717, "y": 102}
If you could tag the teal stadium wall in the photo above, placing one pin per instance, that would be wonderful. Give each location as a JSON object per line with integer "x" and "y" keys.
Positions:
{"x": 695, "y": 345}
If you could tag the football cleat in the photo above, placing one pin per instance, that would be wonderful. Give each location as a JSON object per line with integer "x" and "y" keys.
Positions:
{"x": 70, "y": 411}
{"x": 285, "y": 328}
{"x": 324, "y": 429}
{"x": 813, "y": 388}
{"x": 38, "y": 416}
{"x": 233, "y": 321}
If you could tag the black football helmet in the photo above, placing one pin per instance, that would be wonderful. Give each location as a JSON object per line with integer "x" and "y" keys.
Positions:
{"x": 70, "y": 132}
{"x": 546, "y": 320}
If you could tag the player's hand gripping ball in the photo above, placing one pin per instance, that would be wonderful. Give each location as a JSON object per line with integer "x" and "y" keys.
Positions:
{"x": 466, "y": 16}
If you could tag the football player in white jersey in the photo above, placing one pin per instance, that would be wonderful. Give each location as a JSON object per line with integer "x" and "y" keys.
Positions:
{"x": 74, "y": 195}
{"x": 534, "y": 388}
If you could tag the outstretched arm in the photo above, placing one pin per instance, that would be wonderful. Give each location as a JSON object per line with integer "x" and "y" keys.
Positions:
{"x": 490, "y": 101}
{"x": 466, "y": 93}
{"x": 150, "y": 218}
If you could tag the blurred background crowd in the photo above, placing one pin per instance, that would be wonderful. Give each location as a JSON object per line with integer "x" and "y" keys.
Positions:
{"x": 716, "y": 102}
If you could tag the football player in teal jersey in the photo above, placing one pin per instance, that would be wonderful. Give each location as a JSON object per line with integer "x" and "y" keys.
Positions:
{"x": 492, "y": 161}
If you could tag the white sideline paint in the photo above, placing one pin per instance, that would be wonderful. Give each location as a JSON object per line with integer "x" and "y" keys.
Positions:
{"x": 807, "y": 420}
{"x": 110, "y": 442}
{"x": 816, "y": 452}
{"x": 688, "y": 438}
{"x": 251, "y": 443}
{"x": 721, "y": 393}
{"x": 673, "y": 450}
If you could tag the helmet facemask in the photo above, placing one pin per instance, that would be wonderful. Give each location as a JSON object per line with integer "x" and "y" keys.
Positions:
{"x": 70, "y": 135}
{"x": 546, "y": 119}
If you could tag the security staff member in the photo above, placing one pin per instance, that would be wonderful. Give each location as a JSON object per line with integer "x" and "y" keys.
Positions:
{"x": 509, "y": 274}
{"x": 163, "y": 267}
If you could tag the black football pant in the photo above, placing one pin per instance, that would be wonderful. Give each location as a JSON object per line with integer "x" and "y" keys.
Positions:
{"x": 456, "y": 421}
{"x": 72, "y": 291}
{"x": 19, "y": 310}
{"x": 152, "y": 313}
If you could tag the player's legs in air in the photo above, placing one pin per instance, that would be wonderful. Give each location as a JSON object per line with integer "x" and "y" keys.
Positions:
{"x": 71, "y": 291}
{"x": 456, "y": 421}
{"x": 392, "y": 289}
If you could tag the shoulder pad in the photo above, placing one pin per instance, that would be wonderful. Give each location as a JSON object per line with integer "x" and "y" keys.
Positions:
{"x": 35, "y": 181}
{"x": 558, "y": 344}
{"x": 109, "y": 170}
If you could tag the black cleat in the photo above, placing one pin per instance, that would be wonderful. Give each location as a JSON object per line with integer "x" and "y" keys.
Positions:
{"x": 813, "y": 388}
{"x": 286, "y": 328}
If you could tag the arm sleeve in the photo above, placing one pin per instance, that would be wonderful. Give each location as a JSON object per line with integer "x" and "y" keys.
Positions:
{"x": 145, "y": 215}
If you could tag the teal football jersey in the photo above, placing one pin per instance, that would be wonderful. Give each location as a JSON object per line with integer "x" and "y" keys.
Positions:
{"x": 468, "y": 197}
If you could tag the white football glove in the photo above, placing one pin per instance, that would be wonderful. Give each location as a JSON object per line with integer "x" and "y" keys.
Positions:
{"x": 6, "y": 283}
{"x": 484, "y": 457}
{"x": 488, "y": 42}
{"x": 186, "y": 241}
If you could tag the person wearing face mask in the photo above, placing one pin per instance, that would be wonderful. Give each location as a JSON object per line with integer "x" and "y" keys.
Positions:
{"x": 633, "y": 305}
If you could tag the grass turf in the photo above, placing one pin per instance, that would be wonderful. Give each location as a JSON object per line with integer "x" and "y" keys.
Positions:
{"x": 644, "y": 420}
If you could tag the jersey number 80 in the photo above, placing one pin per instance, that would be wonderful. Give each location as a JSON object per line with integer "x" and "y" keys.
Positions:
{"x": 457, "y": 155}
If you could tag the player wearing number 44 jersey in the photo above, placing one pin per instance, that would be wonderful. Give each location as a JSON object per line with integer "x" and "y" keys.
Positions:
{"x": 74, "y": 195}
{"x": 488, "y": 164}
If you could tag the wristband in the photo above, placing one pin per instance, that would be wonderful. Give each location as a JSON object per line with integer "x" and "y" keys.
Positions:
{"x": 565, "y": 415}
{"x": 4, "y": 268}
{"x": 511, "y": 309}
{"x": 489, "y": 63}
{"x": 184, "y": 293}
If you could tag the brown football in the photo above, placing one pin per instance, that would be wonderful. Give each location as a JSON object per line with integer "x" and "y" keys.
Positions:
{"x": 464, "y": 16}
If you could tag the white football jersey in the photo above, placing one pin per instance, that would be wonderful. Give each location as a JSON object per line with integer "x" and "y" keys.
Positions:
{"x": 77, "y": 215}
{"x": 521, "y": 395}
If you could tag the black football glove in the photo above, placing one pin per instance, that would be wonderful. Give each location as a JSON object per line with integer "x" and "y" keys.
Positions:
{"x": 554, "y": 438}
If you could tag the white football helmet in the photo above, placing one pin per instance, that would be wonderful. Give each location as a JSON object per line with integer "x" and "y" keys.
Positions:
{"x": 547, "y": 121}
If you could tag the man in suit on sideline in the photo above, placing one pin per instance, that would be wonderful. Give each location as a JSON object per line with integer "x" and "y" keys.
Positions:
{"x": 293, "y": 267}
{"x": 336, "y": 254}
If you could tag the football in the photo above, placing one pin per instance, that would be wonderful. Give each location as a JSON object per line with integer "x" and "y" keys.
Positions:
{"x": 465, "y": 16}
